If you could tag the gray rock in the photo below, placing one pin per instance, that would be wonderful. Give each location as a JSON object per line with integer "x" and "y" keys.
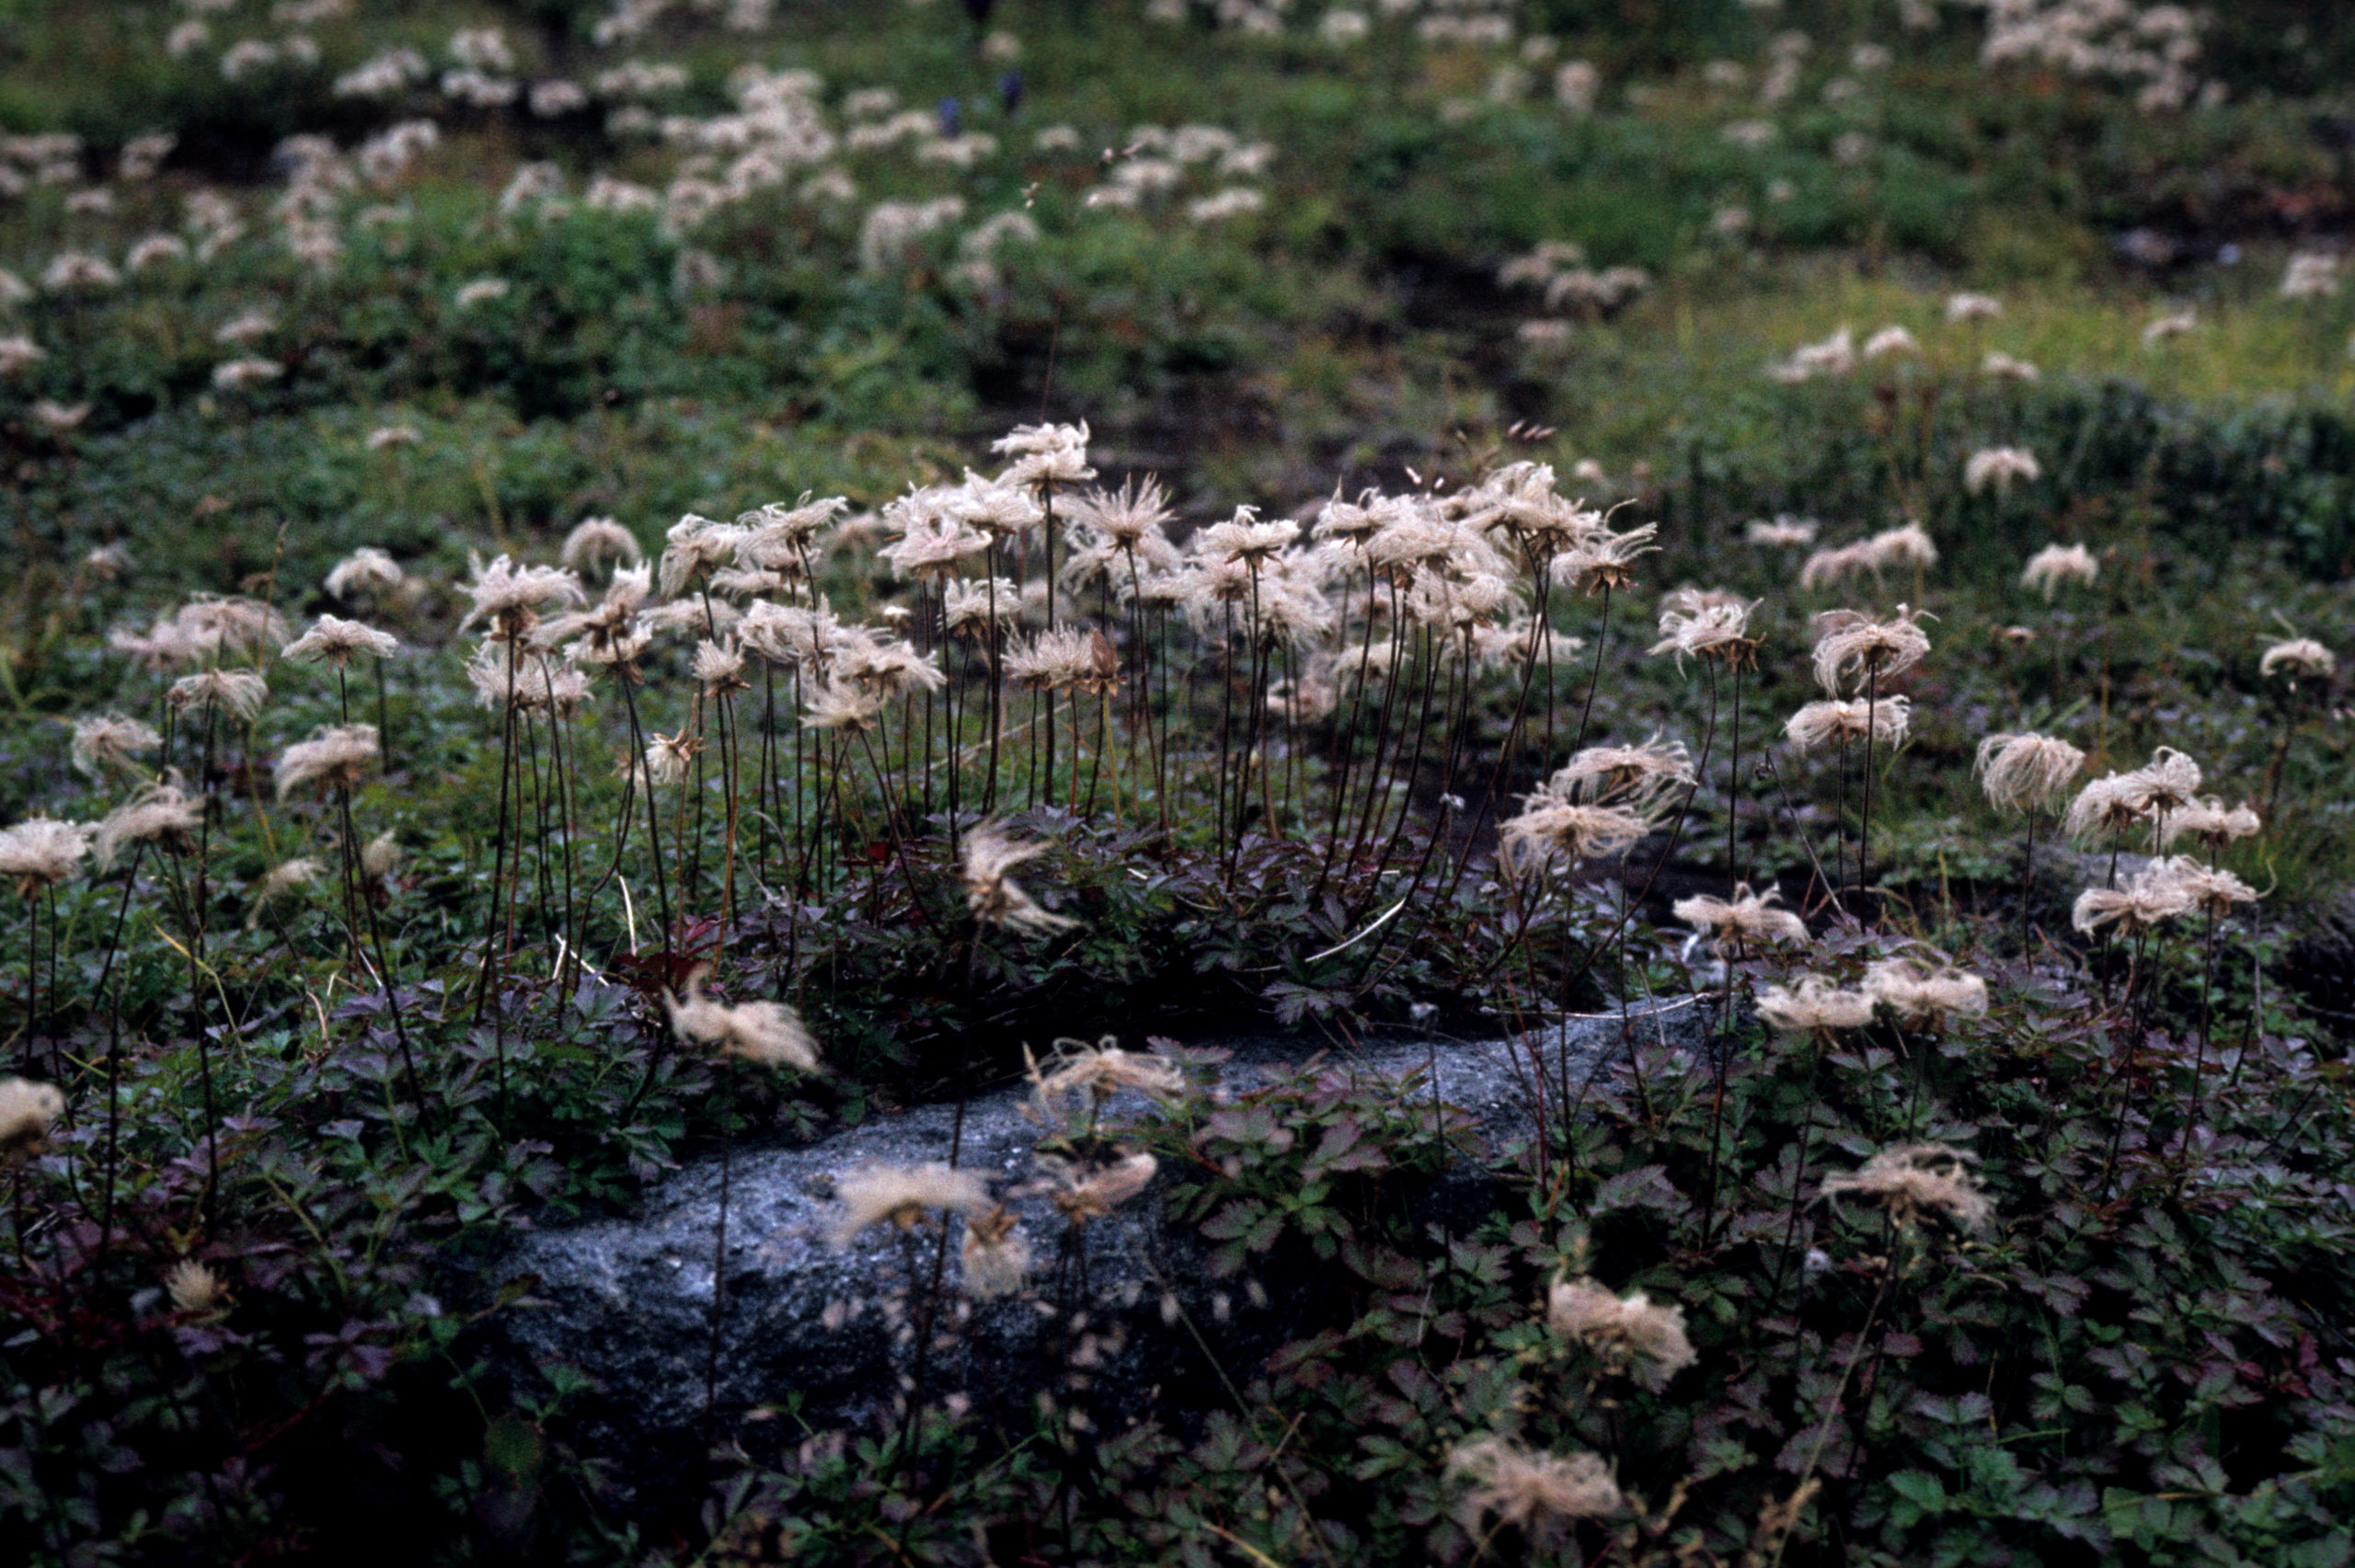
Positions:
{"x": 813, "y": 1336}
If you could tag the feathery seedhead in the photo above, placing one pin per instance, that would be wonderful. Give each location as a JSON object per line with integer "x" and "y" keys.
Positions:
{"x": 905, "y": 1196}
{"x": 1603, "y": 559}
{"x": 1711, "y": 627}
{"x": 163, "y": 814}
{"x": 1631, "y": 1335}
{"x": 766, "y": 1032}
{"x": 2168, "y": 781}
{"x": 1536, "y": 1493}
{"x": 596, "y": 541}
{"x": 287, "y": 877}
{"x": 845, "y": 705}
{"x": 1925, "y": 994}
{"x": 108, "y": 741}
{"x": 1909, "y": 548}
{"x": 991, "y": 894}
{"x": 667, "y": 757}
{"x": 1086, "y": 1192}
{"x": 719, "y": 668}
{"x": 1100, "y": 1071}
{"x": 2026, "y": 772}
{"x": 1851, "y": 643}
{"x": 41, "y": 851}
{"x": 2211, "y": 823}
{"x": 777, "y": 537}
{"x": 1750, "y": 917}
{"x": 2056, "y": 564}
{"x": 338, "y": 642}
{"x": 1551, "y": 829}
{"x": 237, "y": 692}
{"x": 2210, "y": 890}
{"x": 367, "y": 570}
{"x": 1884, "y": 722}
{"x": 1058, "y": 661}
{"x": 27, "y": 1109}
{"x": 1784, "y": 531}
{"x": 2297, "y": 658}
{"x": 380, "y": 857}
{"x": 511, "y": 597}
{"x": 2148, "y": 898}
{"x": 1245, "y": 539}
{"x": 196, "y": 1289}
{"x": 2105, "y": 806}
{"x": 1816, "y": 1005}
{"x": 339, "y": 754}
{"x": 891, "y": 669}
{"x": 695, "y": 546}
{"x": 995, "y": 1255}
{"x": 1635, "y": 774}
{"x": 1910, "y": 1180}
{"x": 1999, "y": 465}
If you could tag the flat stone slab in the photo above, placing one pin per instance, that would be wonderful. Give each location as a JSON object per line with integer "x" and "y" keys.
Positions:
{"x": 1118, "y": 1316}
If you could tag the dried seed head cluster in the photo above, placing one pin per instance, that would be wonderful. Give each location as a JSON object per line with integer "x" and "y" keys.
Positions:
{"x": 1923, "y": 994}
{"x": 2056, "y": 564}
{"x": 165, "y": 814}
{"x": 2299, "y": 658}
{"x": 595, "y": 541}
{"x": 1815, "y": 1006}
{"x": 2212, "y": 823}
{"x": 339, "y": 755}
{"x": 195, "y": 1289}
{"x": 1100, "y": 1071}
{"x": 2148, "y": 898}
{"x": 1885, "y": 721}
{"x": 237, "y": 692}
{"x": 338, "y": 642}
{"x": 1850, "y": 644}
{"x": 1536, "y": 1493}
{"x": 1913, "y": 1180}
{"x": 1750, "y": 917}
{"x": 366, "y": 571}
{"x": 27, "y": 1109}
{"x": 1088, "y": 1192}
{"x": 992, "y": 895}
{"x": 1551, "y": 831}
{"x": 1710, "y": 627}
{"x": 766, "y": 1032}
{"x": 995, "y": 1255}
{"x": 41, "y": 851}
{"x": 1628, "y": 775}
{"x": 1998, "y": 466}
{"x": 2026, "y": 772}
{"x": 1632, "y": 1335}
{"x": 905, "y": 1196}
{"x": 108, "y": 741}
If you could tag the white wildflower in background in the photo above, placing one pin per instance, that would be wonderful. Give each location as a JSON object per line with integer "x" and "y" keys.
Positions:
{"x": 2056, "y": 564}
{"x": 1967, "y": 307}
{"x": 367, "y": 570}
{"x": 1998, "y": 466}
{"x": 2311, "y": 275}
{"x": 481, "y": 290}
{"x": 236, "y": 375}
{"x": 2174, "y": 323}
{"x": 1999, "y": 366}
